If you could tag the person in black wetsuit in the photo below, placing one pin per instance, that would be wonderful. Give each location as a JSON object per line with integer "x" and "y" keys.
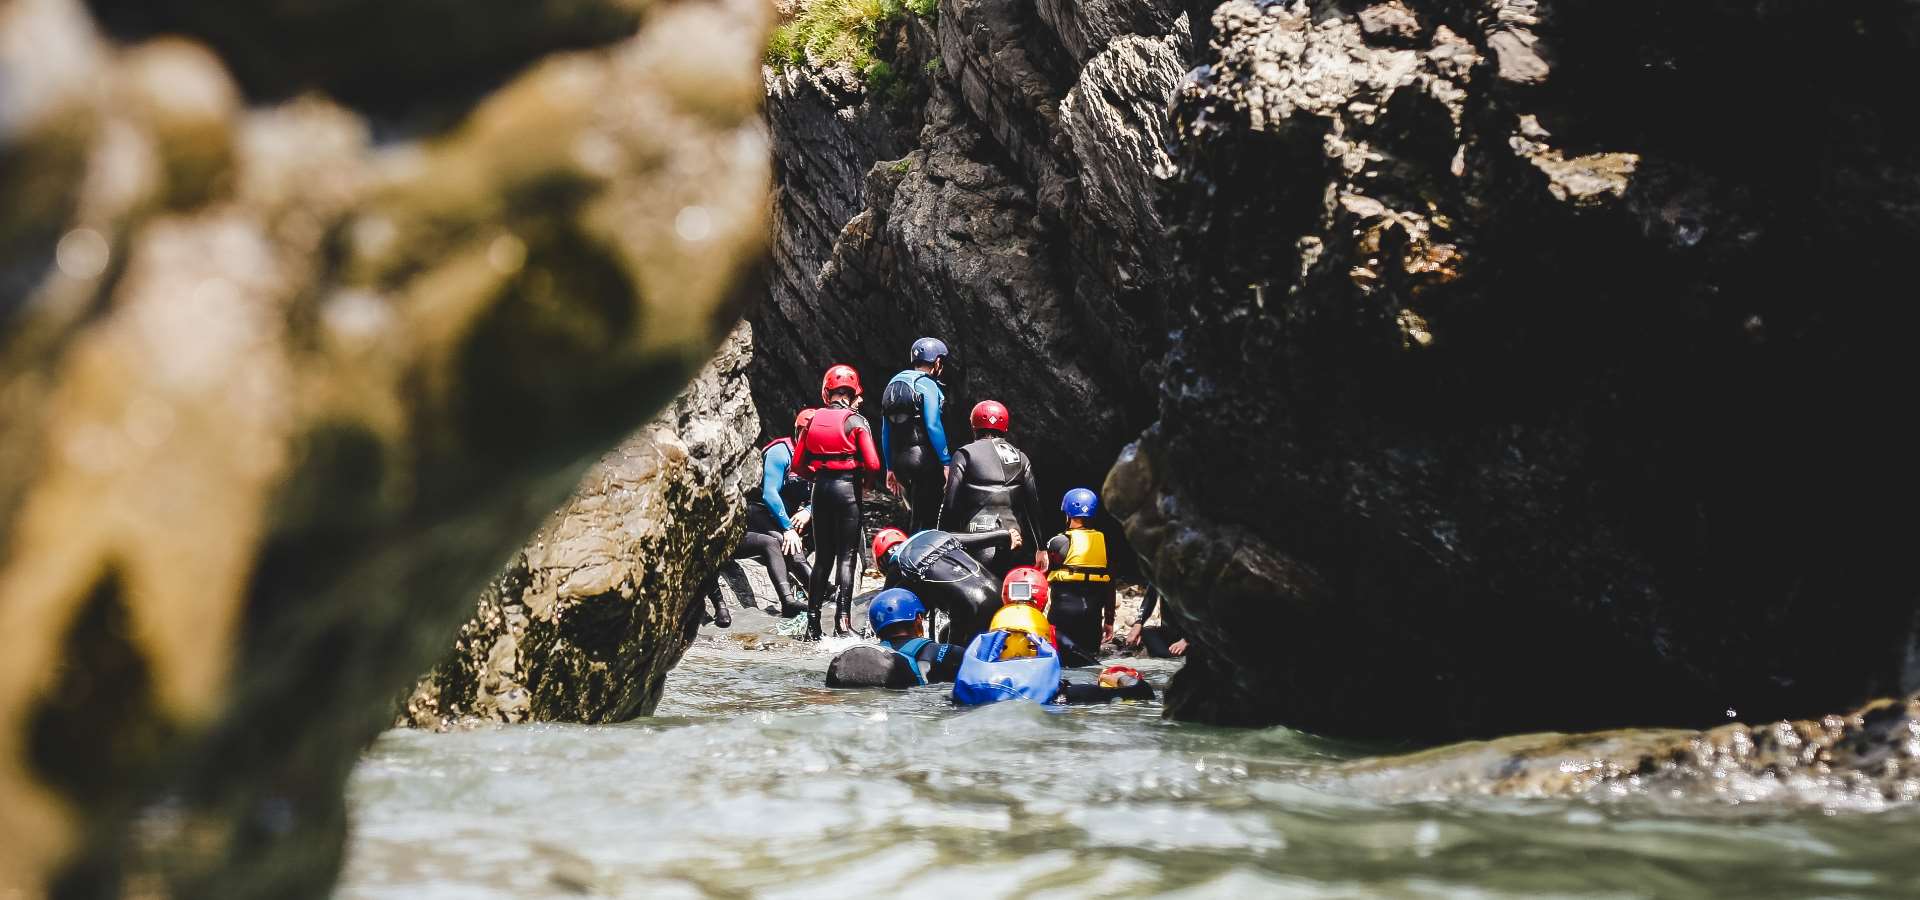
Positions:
{"x": 913, "y": 439}
{"x": 1163, "y": 641}
{"x": 776, "y": 514}
{"x": 938, "y": 567}
{"x": 905, "y": 656}
{"x": 836, "y": 450}
{"x": 990, "y": 487}
{"x": 1079, "y": 582}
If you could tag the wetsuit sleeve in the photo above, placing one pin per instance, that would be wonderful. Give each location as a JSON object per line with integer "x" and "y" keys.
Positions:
{"x": 943, "y": 660}
{"x": 862, "y": 435}
{"x": 1028, "y": 512}
{"x": 1057, "y": 551}
{"x": 971, "y": 542}
{"x": 886, "y": 442}
{"x": 931, "y": 399}
{"x": 773, "y": 476}
{"x": 955, "y": 475}
{"x": 1147, "y": 605}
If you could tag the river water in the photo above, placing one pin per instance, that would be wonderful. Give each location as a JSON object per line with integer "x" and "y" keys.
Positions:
{"x": 755, "y": 781}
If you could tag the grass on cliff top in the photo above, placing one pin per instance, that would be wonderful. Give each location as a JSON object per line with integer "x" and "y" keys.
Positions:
{"x": 826, "y": 32}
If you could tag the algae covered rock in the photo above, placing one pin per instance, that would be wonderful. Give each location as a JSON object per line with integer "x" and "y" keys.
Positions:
{"x": 281, "y": 385}
{"x": 1538, "y": 370}
{"x": 587, "y": 619}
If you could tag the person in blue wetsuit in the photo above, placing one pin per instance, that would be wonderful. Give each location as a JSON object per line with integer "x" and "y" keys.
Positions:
{"x": 773, "y": 534}
{"x": 913, "y": 442}
{"x": 776, "y": 515}
{"x": 905, "y": 656}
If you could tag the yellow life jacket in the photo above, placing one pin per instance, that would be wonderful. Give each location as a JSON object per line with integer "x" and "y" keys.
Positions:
{"x": 1086, "y": 558}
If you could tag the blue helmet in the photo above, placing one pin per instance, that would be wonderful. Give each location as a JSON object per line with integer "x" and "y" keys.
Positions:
{"x": 1080, "y": 503}
{"x": 927, "y": 350}
{"x": 893, "y": 606}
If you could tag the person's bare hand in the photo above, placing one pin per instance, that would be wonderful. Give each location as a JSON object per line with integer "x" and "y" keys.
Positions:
{"x": 1106, "y": 632}
{"x": 1178, "y": 648}
{"x": 1040, "y": 559}
{"x": 1133, "y": 635}
{"x": 893, "y": 484}
{"x": 790, "y": 542}
{"x": 801, "y": 518}
{"x": 1013, "y": 539}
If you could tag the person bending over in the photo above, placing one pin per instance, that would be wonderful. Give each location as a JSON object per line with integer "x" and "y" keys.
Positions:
{"x": 939, "y": 567}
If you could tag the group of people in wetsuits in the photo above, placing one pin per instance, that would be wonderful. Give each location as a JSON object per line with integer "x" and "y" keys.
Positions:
{"x": 972, "y": 511}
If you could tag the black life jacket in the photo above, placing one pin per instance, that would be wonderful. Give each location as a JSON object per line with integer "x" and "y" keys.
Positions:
{"x": 995, "y": 470}
{"x": 900, "y": 406}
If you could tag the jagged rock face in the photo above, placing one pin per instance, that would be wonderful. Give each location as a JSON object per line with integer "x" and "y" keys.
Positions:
{"x": 1537, "y": 372}
{"x": 275, "y": 398}
{"x": 1862, "y": 760}
{"x": 587, "y": 619}
{"x": 1007, "y": 209}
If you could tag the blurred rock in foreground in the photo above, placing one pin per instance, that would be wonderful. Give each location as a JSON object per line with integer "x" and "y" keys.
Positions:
{"x": 276, "y": 397}
{"x": 587, "y": 619}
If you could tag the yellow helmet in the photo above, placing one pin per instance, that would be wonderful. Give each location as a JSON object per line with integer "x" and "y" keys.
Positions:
{"x": 1020, "y": 617}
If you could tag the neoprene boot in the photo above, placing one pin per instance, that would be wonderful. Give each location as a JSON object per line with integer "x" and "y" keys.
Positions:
{"x": 722, "y": 617}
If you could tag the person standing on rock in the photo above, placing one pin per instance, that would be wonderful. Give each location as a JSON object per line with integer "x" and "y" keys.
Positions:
{"x": 990, "y": 487}
{"x": 913, "y": 441}
{"x": 836, "y": 450}
{"x": 1083, "y": 602}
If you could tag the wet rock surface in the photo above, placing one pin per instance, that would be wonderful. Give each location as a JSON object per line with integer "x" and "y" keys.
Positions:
{"x": 1534, "y": 375}
{"x": 284, "y": 383}
{"x": 1863, "y": 760}
{"x": 587, "y": 619}
{"x": 1003, "y": 202}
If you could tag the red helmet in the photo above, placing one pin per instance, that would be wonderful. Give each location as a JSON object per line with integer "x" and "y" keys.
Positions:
{"x": 1025, "y": 584}
{"x": 838, "y": 377}
{"x": 885, "y": 541}
{"x": 989, "y": 415}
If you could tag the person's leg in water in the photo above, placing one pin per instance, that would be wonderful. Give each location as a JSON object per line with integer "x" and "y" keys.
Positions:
{"x": 766, "y": 548}
{"x": 1078, "y": 622}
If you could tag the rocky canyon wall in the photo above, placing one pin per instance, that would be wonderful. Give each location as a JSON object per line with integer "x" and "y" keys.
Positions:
{"x": 309, "y": 314}
{"x": 1540, "y": 366}
{"x": 1001, "y": 199}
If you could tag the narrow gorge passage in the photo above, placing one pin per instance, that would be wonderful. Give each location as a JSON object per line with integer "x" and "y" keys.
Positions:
{"x": 754, "y": 780}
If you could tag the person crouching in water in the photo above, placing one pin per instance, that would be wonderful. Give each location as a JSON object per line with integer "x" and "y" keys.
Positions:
{"x": 836, "y": 450}
{"x": 1013, "y": 660}
{"x": 905, "y": 657}
{"x": 1082, "y": 600}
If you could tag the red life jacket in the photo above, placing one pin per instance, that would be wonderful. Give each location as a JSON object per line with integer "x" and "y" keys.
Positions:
{"x": 777, "y": 442}
{"x": 827, "y": 443}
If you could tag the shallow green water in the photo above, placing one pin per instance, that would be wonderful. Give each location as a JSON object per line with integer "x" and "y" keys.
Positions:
{"x": 755, "y": 781}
